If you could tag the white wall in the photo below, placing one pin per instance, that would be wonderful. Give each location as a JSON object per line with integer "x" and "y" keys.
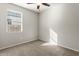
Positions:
{"x": 29, "y": 27}
{"x": 63, "y": 19}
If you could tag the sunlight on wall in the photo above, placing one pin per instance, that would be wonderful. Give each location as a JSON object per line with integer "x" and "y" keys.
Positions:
{"x": 52, "y": 39}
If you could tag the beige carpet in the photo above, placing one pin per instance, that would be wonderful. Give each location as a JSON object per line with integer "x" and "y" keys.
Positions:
{"x": 36, "y": 48}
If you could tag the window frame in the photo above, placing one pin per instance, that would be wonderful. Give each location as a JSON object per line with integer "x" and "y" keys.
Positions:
{"x": 7, "y": 17}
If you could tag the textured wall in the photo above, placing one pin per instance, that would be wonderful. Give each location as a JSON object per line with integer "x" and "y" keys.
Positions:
{"x": 62, "y": 20}
{"x": 29, "y": 26}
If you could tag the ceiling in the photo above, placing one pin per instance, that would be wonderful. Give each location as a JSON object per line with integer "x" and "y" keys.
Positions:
{"x": 32, "y": 7}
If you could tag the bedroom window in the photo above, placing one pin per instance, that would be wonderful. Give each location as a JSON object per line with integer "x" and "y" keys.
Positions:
{"x": 14, "y": 21}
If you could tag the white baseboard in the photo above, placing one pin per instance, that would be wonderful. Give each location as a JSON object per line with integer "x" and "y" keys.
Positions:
{"x": 68, "y": 47}
{"x": 65, "y": 46}
{"x": 34, "y": 38}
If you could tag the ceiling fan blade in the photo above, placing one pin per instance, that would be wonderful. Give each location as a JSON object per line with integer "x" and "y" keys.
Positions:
{"x": 46, "y": 4}
{"x": 30, "y": 3}
{"x": 38, "y": 6}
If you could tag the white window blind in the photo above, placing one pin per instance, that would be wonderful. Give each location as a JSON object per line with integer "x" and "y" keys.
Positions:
{"x": 14, "y": 21}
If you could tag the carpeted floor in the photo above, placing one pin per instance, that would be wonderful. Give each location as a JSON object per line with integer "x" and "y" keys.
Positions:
{"x": 37, "y": 48}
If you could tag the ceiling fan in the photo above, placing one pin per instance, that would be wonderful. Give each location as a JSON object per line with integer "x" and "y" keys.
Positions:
{"x": 38, "y": 5}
